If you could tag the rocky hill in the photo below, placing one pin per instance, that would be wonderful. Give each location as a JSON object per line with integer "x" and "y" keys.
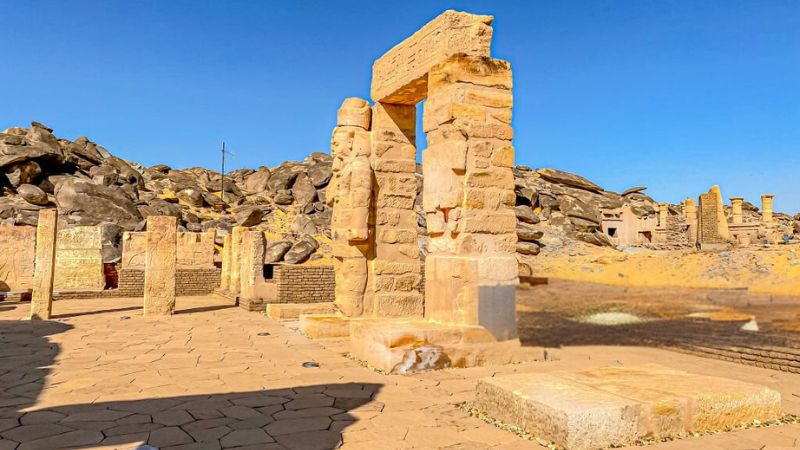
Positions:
{"x": 90, "y": 186}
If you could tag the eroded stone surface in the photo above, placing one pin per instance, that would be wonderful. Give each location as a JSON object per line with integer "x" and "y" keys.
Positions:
{"x": 597, "y": 408}
{"x": 160, "y": 262}
{"x": 79, "y": 259}
{"x": 42, "y": 295}
{"x": 17, "y": 258}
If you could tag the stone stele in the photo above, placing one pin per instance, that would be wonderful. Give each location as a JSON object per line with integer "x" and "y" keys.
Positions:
{"x": 160, "y": 264}
{"x": 79, "y": 259}
{"x": 42, "y": 295}
{"x": 615, "y": 406}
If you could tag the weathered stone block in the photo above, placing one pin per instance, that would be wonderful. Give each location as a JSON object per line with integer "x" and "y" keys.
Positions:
{"x": 399, "y": 76}
{"x": 160, "y": 265}
{"x": 79, "y": 259}
{"x": 598, "y": 408}
{"x": 320, "y": 326}
{"x": 42, "y": 295}
{"x": 17, "y": 258}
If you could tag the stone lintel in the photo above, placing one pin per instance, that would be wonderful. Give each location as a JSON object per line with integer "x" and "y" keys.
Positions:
{"x": 400, "y": 75}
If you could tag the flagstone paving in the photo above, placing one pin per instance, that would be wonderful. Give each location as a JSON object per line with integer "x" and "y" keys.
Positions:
{"x": 215, "y": 376}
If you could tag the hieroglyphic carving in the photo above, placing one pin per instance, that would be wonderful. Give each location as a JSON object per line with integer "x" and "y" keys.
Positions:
{"x": 160, "y": 265}
{"x": 79, "y": 259}
{"x": 17, "y": 257}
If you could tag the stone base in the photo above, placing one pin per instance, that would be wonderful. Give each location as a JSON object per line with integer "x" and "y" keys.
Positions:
{"x": 289, "y": 311}
{"x": 403, "y": 346}
{"x": 615, "y": 406}
{"x": 252, "y": 304}
{"x": 320, "y": 326}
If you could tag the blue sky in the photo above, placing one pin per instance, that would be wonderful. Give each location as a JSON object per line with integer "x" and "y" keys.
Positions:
{"x": 675, "y": 95}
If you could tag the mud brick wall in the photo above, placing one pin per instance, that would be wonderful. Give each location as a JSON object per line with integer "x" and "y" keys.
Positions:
{"x": 304, "y": 284}
{"x": 187, "y": 282}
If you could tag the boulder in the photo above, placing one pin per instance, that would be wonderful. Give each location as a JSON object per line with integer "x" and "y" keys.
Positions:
{"x": 32, "y": 194}
{"x": 275, "y": 252}
{"x": 23, "y": 173}
{"x": 595, "y": 238}
{"x": 283, "y": 197}
{"x": 301, "y": 251}
{"x": 91, "y": 204}
{"x": 568, "y": 179}
{"x": 249, "y": 216}
{"x": 303, "y": 191}
{"x": 634, "y": 190}
{"x": 159, "y": 207}
{"x": 320, "y": 174}
{"x": 191, "y": 197}
{"x": 256, "y": 182}
{"x": 528, "y": 248}
{"x": 528, "y": 234}
{"x": 281, "y": 179}
{"x": 526, "y": 215}
{"x": 302, "y": 225}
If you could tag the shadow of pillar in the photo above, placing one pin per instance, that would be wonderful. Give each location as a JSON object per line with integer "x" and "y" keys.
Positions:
{"x": 301, "y": 417}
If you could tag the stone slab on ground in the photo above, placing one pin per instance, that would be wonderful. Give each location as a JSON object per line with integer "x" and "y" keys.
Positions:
{"x": 292, "y": 311}
{"x": 320, "y": 326}
{"x": 611, "y": 406}
{"x": 400, "y": 345}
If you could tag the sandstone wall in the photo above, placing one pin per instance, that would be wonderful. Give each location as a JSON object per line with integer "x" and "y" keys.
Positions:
{"x": 17, "y": 257}
{"x": 195, "y": 250}
{"x": 304, "y": 284}
{"x": 79, "y": 259}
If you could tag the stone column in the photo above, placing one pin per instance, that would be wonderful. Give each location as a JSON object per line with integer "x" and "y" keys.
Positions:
{"x": 722, "y": 221}
{"x": 235, "y": 283}
{"x": 690, "y": 214}
{"x": 44, "y": 269}
{"x": 766, "y": 208}
{"x": 394, "y": 271}
{"x": 736, "y": 207}
{"x": 225, "y": 279}
{"x": 468, "y": 198}
{"x": 160, "y": 263}
{"x": 350, "y": 197}
{"x": 252, "y": 263}
{"x": 663, "y": 214}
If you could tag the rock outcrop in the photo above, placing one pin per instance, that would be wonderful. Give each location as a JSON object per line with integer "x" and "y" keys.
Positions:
{"x": 90, "y": 186}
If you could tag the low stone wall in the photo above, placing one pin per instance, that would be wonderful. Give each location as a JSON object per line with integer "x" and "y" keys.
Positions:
{"x": 303, "y": 284}
{"x": 187, "y": 282}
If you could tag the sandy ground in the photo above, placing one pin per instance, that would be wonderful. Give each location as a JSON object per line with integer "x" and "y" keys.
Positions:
{"x": 771, "y": 270}
{"x": 101, "y": 376}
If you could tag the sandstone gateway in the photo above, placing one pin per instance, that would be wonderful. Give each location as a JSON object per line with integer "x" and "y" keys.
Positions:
{"x": 468, "y": 198}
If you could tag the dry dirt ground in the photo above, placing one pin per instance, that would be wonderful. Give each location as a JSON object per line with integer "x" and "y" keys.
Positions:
{"x": 215, "y": 376}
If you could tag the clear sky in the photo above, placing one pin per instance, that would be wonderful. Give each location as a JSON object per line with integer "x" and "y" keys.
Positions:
{"x": 675, "y": 95}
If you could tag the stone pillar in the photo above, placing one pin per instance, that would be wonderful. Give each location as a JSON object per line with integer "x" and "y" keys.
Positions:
{"x": 663, "y": 214}
{"x": 766, "y": 208}
{"x": 252, "y": 263}
{"x": 394, "y": 269}
{"x": 468, "y": 198}
{"x": 690, "y": 214}
{"x": 736, "y": 207}
{"x": 350, "y": 198}
{"x": 225, "y": 279}
{"x": 44, "y": 269}
{"x": 722, "y": 221}
{"x": 160, "y": 263}
{"x": 234, "y": 285}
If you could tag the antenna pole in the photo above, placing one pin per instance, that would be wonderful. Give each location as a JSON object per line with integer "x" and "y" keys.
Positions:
{"x": 222, "y": 183}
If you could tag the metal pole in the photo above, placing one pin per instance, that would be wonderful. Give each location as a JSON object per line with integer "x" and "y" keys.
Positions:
{"x": 222, "y": 186}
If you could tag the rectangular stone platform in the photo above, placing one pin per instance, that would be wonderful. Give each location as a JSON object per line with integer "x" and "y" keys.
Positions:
{"x": 321, "y": 326}
{"x": 411, "y": 345}
{"x": 602, "y": 407}
{"x": 290, "y": 311}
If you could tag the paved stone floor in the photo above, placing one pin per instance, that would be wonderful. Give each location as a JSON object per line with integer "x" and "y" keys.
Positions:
{"x": 101, "y": 376}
